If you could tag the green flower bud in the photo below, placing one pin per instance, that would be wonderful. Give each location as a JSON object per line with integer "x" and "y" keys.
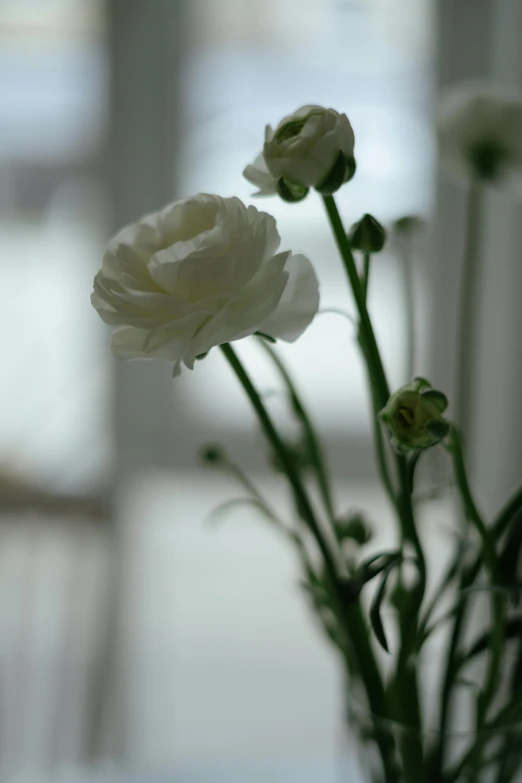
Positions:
{"x": 341, "y": 172}
{"x": 354, "y": 526}
{"x": 290, "y": 191}
{"x": 367, "y": 235}
{"x": 414, "y": 416}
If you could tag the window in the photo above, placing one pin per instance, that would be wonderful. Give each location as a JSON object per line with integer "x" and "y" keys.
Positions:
{"x": 54, "y": 390}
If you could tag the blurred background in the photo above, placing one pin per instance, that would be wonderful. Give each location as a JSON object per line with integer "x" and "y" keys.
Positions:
{"x": 133, "y": 635}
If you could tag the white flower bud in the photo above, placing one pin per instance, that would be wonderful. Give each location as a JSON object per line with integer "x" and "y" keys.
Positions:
{"x": 305, "y": 150}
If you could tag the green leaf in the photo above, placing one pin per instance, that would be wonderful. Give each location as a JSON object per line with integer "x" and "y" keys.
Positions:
{"x": 375, "y": 609}
{"x": 265, "y": 337}
{"x": 368, "y": 570}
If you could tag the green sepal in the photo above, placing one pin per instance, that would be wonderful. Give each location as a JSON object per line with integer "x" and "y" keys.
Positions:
{"x": 291, "y": 192}
{"x": 202, "y": 355}
{"x": 335, "y": 178}
{"x": 438, "y": 428}
{"x": 265, "y": 337}
{"x": 367, "y": 235}
{"x": 436, "y": 397}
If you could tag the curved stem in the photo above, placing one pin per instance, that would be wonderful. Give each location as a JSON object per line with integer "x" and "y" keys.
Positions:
{"x": 366, "y": 274}
{"x": 349, "y": 613}
{"x": 490, "y": 559}
{"x": 312, "y": 440}
{"x": 284, "y": 458}
{"x": 377, "y": 369}
{"x": 380, "y": 448}
{"x": 409, "y": 313}
{"x": 467, "y": 330}
{"x": 405, "y": 677}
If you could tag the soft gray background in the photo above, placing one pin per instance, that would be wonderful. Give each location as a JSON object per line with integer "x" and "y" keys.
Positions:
{"x": 131, "y": 634}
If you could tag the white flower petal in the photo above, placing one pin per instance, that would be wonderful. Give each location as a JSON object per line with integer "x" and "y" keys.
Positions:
{"x": 258, "y": 174}
{"x": 298, "y": 305}
{"x": 210, "y": 276}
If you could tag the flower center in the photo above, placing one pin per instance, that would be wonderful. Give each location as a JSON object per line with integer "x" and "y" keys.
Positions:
{"x": 293, "y": 128}
{"x": 290, "y": 129}
{"x": 405, "y": 417}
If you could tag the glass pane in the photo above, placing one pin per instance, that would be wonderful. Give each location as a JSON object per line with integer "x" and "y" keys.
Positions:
{"x": 52, "y": 225}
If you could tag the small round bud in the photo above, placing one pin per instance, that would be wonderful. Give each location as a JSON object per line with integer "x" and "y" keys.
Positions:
{"x": 291, "y": 192}
{"x": 367, "y": 235}
{"x": 414, "y": 416}
{"x": 212, "y": 455}
{"x": 341, "y": 172}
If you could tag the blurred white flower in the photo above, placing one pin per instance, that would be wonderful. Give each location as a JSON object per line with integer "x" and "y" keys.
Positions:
{"x": 480, "y": 133}
{"x": 200, "y": 273}
{"x": 313, "y": 147}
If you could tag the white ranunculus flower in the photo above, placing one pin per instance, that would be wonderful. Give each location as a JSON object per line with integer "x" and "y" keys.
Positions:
{"x": 479, "y": 129}
{"x": 307, "y": 149}
{"x": 202, "y": 272}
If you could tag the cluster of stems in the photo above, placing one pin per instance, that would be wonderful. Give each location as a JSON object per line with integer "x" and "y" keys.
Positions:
{"x": 336, "y": 592}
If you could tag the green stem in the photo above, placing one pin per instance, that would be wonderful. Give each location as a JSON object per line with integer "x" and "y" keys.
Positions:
{"x": 409, "y": 313}
{"x": 376, "y": 368}
{"x": 367, "y": 257}
{"x": 311, "y": 438}
{"x": 490, "y": 559}
{"x": 349, "y": 614}
{"x": 380, "y": 445}
{"x": 284, "y": 458}
{"x": 467, "y": 331}
{"x": 403, "y": 501}
{"x": 498, "y": 528}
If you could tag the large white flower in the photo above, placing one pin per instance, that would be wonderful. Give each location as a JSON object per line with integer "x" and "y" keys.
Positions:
{"x": 480, "y": 133}
{"x": 201, "y": 273}
{"x": 307, "y": 149}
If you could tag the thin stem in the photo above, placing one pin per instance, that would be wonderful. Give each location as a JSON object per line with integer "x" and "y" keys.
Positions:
{"x": 403, "y": 501}
{"x": 367, "y": 257}
{"x": 490, "y": 559}
{"x": 467, "y": 332}
{"x": 349, "y": 613}
{"x": 376, "y": 368}
{"x": 283, "y": 456}
{"x": 311, "y": 438}
{"x": 409, "y": 312}
{"x": 380, "y": 447}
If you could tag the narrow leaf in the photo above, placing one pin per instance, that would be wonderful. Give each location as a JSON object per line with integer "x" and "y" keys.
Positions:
{"x": 375, "y": 610}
